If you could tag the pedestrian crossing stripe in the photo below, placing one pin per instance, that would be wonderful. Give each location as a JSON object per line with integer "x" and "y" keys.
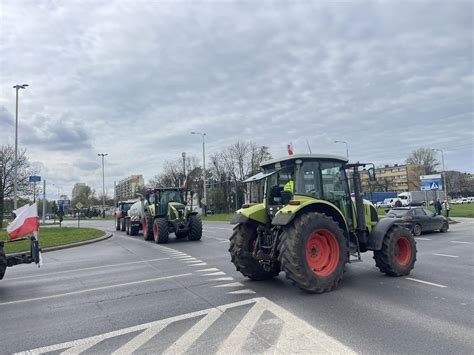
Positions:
{"x": 296, "y": 335}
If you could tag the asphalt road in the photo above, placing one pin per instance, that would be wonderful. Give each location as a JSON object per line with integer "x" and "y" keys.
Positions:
{"x": 128, "y": 295}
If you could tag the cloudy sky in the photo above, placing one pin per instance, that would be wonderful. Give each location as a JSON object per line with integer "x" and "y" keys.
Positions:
{"x": 134, "y": 78}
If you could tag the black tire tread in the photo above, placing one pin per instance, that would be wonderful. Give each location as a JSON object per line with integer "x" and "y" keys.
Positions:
{"x": 148, "y": 233}
{"x": 243, "y": 259}
{"x": 383, "y": 257}
{"x": 195, "y": 228}
{"x": 3, "y": 263}
{"x": 289, "y": 248}
{"x": 163, "y": 231}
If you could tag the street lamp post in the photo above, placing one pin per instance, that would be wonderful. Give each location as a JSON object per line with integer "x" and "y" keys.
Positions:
{"x": 15, "y": 179}
{"x": 203, "y": 170}
{"x": 103, "y": 183}
{"x": 347, "y": 148}
{"x": 444, "y": 180}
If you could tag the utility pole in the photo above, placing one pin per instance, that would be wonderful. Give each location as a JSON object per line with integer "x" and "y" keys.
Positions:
{"x": 203, "y": 170}
{"x": 44, "y": 201}
{"x": 15, "y": 179}
{"x": 103, "y": 183}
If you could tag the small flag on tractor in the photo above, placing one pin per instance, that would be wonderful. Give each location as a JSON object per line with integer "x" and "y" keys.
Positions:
{"x": 26, "y": 222}
{"x": 290, "y": 149}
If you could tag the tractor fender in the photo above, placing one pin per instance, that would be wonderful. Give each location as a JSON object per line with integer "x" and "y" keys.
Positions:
{"x": 376, "y": 236}
{"x": 289, "y": 212}
{"x": 254, "y": 212}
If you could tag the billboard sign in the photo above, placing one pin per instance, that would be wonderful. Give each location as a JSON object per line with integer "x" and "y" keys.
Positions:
{"x": 431, "y": 182}
{"x": 64, "y": 203}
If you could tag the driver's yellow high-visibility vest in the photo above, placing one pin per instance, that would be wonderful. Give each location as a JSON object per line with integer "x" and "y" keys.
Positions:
{"x": 289, "y": 186}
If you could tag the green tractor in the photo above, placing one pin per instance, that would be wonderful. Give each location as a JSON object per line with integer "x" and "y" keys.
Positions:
{"x": 308, "y": 225}
{"x": 165, "y": 212}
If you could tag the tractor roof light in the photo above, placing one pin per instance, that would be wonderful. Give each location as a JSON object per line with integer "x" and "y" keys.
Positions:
{"x": 294, "y": 202}
{"x": 245, "y": 205}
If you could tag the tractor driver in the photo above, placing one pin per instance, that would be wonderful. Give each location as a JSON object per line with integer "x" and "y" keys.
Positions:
{"x": 290, "y": 185}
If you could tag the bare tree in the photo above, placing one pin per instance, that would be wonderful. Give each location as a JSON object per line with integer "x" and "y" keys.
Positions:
{"x": 424, "y": 157}
{"x": 7, "y": 171}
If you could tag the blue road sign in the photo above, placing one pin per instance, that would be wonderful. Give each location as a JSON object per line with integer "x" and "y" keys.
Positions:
{"x": 64, "y": 203}
{"x": 431, "y": 183}
{"x": 35, "y": 178}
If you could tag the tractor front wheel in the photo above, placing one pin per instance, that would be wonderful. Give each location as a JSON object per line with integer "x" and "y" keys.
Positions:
{"x": 117, "y": 224}
{"x": 313, "y": 252}
{"x": 3, "y": 263}
{"x": 147, "y": 228}
{"x": 398, "y": 254}
{"x": 122, "y": 224}
{"x": 160, "y": 230}
{"x": 195, "y": 227}
{"x": 242, "y": 243}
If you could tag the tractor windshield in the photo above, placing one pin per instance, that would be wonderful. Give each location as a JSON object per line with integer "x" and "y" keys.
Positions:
{"x": 170, "y": 196}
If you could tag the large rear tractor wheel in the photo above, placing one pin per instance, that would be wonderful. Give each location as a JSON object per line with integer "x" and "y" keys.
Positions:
{"x": 117, "y": 224}
{"x": 195, "y": 228}
{"x": 147, "y": 228}
{"x": 313, "y": 252}
{"x": 398, "y": 254}
{"x": 160, "y": 230}
{"x": 242, "y": 243}
{"x": 3, "y": 263}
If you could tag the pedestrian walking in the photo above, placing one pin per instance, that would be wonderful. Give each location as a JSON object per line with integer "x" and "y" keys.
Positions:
{"x": 446, "y": 205}
{"x": 438, "y": 207}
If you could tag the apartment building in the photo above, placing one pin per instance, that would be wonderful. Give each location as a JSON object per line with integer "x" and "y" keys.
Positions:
{"x": 394, "y": 178}
{"x": 127, "y": 188}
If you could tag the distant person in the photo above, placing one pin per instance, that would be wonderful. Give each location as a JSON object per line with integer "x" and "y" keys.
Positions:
{"x": 438, "y": 207}
{"x": 290, "y": 185}
{"x": 446, "y": 205}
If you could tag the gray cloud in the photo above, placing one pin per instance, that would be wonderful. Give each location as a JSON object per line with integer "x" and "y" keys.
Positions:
{"x": 134, "y": 78}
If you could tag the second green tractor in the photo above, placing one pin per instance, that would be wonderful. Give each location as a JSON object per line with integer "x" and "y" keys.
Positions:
{"x": 165, "y": 212}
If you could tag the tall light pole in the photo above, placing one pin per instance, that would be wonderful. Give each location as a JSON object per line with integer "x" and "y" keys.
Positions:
{"x": 347, "y": 148}
{"x": 444, "y": 180}
{"x": 15, "y": 178}
{"x": 103, "y": 183}
{"x": 203, "y": 170}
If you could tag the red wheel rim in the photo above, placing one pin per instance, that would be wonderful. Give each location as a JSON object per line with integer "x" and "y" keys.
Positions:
{"x": 322, "y": 252}
{"x": 155, "y": 232}
{"x": 403, "y": 251}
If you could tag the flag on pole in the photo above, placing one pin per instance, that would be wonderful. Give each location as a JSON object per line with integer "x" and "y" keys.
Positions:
{"x": 290, "y": 148}
{"x": 26, "y": 222}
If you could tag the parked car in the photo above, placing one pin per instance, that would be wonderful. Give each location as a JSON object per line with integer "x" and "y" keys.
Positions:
{"x": 419, "y": 219}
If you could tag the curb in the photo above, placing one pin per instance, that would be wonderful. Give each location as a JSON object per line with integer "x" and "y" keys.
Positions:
{"x": 72, "y": 245}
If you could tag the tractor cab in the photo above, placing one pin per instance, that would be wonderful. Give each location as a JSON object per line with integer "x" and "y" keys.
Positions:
{"x": 167, "y": 199}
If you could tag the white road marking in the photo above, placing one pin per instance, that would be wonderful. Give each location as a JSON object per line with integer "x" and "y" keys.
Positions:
{"x": 140, "y": 340}
{"x": 222, "y": 279}
{"x": 235, "y": 341}
{"x": 207, "y": 270}
{"x": 85, "y": 269}
{"x": 188, "y": 338}
{"x": 193, "y": 261}
{"x": 218, "y": 273}
{"x": 449, "y": 256}
{"x": 420, "y": 238}
{"x": 425, "y": 282}
{"x": 184, "y": 257}
{"x": 296, "y": 336}
{"x": 94, "y": 289}
{"x": 242, "y": 292}
{"x": 200, "y": 264}
{"x": 232, "y": 284}
{"x": 457, "y": 241}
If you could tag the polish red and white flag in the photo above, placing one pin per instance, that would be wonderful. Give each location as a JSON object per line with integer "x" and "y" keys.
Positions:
{"x": 26, "y": 222}
{"x": 290, "y": 149}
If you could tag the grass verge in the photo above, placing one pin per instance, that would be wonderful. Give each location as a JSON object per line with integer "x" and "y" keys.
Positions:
{"x": 221, "y": 217}
{"x": 51, "y": 237}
